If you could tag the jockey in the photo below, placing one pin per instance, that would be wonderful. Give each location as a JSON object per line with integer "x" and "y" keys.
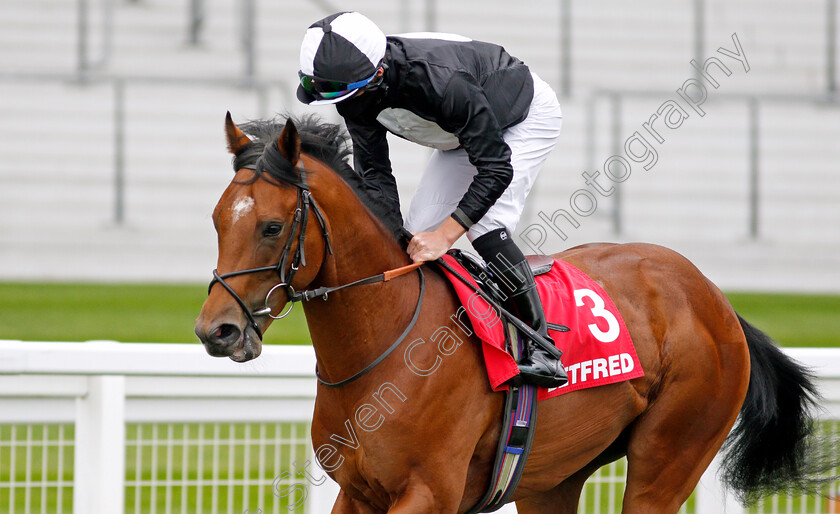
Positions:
{"x": 491, "y": 121}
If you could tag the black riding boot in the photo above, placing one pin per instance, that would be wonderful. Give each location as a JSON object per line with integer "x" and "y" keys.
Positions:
{"x": 514, "y": 277}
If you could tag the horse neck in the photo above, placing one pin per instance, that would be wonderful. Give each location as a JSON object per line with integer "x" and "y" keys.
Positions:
{"x": 356, "y": 324}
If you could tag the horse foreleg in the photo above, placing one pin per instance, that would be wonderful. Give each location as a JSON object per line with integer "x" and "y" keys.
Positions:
{"x": 346, "y": 504}
{"x": 417, "y": 499}
{"x": 563, "y": 499}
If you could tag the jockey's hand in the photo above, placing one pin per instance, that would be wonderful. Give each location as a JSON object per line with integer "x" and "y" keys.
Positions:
{"x": 428, "y": 246}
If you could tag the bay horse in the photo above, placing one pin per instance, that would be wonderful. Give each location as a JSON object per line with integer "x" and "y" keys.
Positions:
{"x": 401, "y": 442}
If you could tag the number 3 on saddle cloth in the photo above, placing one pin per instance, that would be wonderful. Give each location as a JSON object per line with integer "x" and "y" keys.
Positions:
{"x": 597, "y": 349}
{"x": 585, "y": 325}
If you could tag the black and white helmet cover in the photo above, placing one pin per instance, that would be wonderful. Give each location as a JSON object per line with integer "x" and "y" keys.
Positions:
{"x": 343, "y": 47}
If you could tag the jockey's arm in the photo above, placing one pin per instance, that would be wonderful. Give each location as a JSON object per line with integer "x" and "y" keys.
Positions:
{"x": 466, "y": 112}
{"x": 370, "y": 156}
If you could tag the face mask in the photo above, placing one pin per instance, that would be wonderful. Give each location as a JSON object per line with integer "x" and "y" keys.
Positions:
{"x": 366, "y": 104}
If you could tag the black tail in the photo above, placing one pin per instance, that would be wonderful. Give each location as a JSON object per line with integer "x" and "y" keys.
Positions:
{"x": 773, "y": 447}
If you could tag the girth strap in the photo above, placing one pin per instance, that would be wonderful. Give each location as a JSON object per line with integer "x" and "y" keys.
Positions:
{"x": 518, "y": 427}
{"x": 519, "y": 421}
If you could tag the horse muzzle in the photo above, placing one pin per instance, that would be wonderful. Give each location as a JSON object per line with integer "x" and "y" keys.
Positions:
{"x": 229, "y": 340}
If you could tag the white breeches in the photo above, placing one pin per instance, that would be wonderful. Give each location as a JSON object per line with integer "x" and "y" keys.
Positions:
{"x": 449, "y": 173}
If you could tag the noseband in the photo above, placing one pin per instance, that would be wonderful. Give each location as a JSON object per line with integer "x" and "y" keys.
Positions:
{"x": 305, "y": 203}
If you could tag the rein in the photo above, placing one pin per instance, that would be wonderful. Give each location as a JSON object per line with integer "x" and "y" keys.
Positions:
{"x": 399, "y": 340}
{"x": 305, "y": 203}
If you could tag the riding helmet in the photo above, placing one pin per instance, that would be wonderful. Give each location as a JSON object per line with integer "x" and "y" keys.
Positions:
{"x": 339, "y": 56}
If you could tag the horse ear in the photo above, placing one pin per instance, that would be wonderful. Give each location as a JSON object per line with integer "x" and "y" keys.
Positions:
{"x": 289, "y": 142}
{"x": 236, "y": 139}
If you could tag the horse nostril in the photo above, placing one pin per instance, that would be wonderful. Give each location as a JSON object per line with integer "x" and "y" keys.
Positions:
{"x": 221, "y": 341}
{"x": 226, "y": 334}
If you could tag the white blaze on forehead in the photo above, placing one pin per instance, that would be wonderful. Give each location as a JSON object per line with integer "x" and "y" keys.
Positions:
{"x": 242, "y": 207}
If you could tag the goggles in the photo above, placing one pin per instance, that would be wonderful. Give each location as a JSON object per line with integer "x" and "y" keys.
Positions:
{"x": 328, "y": 89}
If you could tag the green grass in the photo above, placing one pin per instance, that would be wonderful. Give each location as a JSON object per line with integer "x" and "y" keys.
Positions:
{"x": 128, "y": 313}
{"x": 166, "y": 313}
{"x": 792, "y": 319}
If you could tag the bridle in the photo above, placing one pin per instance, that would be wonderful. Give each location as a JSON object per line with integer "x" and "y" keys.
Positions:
{"x": 305, "y": 203}
{"x": 300, "y": 219}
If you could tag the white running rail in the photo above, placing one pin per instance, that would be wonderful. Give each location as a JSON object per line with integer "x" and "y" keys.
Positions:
{"x": 166, "y": 428}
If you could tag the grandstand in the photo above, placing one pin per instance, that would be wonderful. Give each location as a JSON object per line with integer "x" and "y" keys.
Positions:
{"x": 113, "y": 156}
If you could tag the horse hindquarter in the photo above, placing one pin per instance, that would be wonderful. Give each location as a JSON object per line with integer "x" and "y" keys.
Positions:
{"x": 672, "y": 421}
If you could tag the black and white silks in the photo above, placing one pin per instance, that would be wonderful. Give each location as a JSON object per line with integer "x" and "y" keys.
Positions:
{"x": 442, "y": 91}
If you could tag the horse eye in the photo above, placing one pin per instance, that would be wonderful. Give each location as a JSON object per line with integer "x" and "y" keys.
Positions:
{"x": 272, "y": 229}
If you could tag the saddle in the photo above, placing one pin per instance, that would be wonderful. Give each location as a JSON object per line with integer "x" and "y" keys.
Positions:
{"x": 540, "y": 264}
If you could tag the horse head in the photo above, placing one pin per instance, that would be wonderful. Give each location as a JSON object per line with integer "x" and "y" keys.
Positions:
{"x": 272, "y": 240}
{"x": 275, "y": 236}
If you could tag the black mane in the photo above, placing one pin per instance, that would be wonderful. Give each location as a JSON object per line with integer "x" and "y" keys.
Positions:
{"x": 327, "y": 142}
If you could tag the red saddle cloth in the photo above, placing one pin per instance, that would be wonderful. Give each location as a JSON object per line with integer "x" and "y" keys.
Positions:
{"x": 596, "y": 351}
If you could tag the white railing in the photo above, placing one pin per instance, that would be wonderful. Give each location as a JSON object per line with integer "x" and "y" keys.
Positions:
{"x": 102, "y": 387}
{"x": 166, "y": 428}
